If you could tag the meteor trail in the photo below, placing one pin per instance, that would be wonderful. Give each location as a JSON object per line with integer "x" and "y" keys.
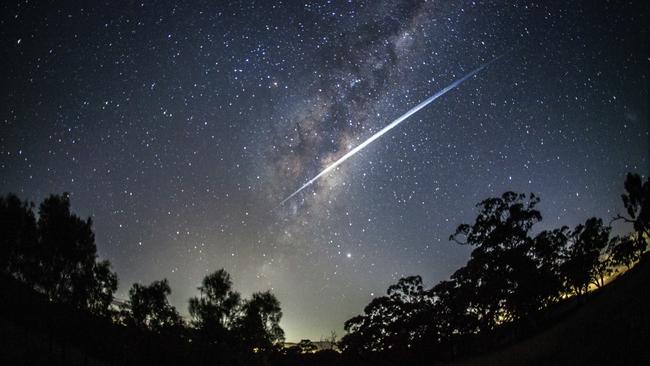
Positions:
{"x": 392, "y": 125}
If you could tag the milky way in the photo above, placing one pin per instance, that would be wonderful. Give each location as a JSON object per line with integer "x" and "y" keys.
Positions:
{"x": 180, "y": 128}
{"x": 381, "y": 132}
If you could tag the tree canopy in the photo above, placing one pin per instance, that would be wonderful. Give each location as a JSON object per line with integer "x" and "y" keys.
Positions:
{"x": 511, "y": 276}
{"x": 56, "y": 253}
{"x": 149, "y": 308}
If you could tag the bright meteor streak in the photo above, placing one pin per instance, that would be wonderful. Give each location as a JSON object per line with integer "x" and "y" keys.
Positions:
{"x": 392, "y": 125}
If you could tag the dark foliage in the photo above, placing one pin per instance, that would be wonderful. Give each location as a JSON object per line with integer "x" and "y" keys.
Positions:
{"x": 636, "y": 200}
{"x": 510, "y": 286}
{"x": 257, "y": 326}
{"x": 56, "y": 254}
{"x": 18, "y": 238}
{"x": 513, "y": 285}
{"x": 583, "y": 263}
{"x": 148, "y": 308}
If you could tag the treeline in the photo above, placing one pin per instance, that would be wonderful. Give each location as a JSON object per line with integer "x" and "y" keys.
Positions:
{"x": 510, "y": 281}
{"x": 222, "y": 326}
{"x": 55, "y": 254}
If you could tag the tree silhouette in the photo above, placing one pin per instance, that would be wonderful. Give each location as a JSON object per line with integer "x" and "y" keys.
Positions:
{"x": 18, "y": 238}
{"x": 104, "y": 285}
{"x": 389, "y": 322}
{"x": 306, "y": 346}
{"x": 68, "y": 250}
{"x": 505, "y": 286}
{"x": 149, "y": 308}
{"x": 501, "y": 272}
{"x": 499, "y": 283}
{"x": 509, "y": 279}
{"x": 582, "y": 264}
{"x": 214, "y": 312}
{"x": 626, "y": 250}
{"x": 452, "y": 315}
{"x": 67, "y": 255}
{"x": 258, "y": 326}
{"x": 502, "y": 223}
{"x": 548, "y": 248}
{"x": 636, "y": 201}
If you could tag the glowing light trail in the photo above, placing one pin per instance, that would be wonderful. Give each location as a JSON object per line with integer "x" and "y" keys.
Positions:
{"x": 392, "y": 125}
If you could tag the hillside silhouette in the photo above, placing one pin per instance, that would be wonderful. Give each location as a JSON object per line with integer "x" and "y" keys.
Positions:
{"x": 610, "y": 327}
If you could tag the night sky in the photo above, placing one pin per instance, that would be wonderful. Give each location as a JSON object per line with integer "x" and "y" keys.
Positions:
{"x": 180, "y": 128}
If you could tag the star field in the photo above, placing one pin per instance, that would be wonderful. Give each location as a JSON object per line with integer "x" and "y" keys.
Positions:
{"x": 180, "y": 128}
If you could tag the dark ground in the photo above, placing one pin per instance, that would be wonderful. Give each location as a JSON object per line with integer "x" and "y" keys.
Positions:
{"x": 611, "y": 327}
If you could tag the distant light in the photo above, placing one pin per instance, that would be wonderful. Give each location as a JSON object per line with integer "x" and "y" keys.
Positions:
{"x": 349, "y": 255}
